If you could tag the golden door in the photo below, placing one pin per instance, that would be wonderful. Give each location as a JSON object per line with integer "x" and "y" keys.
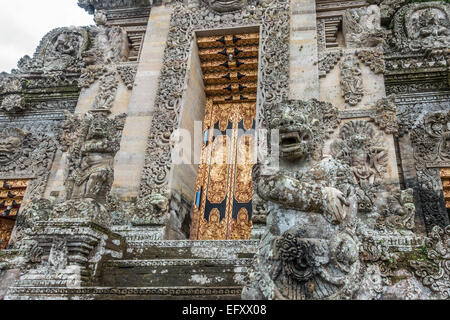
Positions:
{"x": 11, "y": 197}
{"x": 223, "y": 197}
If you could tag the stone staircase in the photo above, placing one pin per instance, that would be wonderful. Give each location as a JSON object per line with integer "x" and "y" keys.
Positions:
{"x": 171, "y": 269}
{"x": 160, "y": 270}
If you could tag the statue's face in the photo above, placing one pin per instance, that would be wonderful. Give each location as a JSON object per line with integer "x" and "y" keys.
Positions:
{"x": 295, "y": 131}
{"x": 227, "y": 5}
{"x": 97, "y": 129}
{"x": 9, "y": 147}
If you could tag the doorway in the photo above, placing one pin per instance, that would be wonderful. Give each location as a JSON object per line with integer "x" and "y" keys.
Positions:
{"x": 222, "y": 208}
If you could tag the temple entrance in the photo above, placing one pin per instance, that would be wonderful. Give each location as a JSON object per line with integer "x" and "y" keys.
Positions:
{"x": 223, "y": 196}
{"x": 445, "y": 177}
{"x": 11, "y": 196}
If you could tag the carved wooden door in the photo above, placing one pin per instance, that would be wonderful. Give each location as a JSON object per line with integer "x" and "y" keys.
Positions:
{"x": 11, "y": 196}
{"x": 223, "y": 199}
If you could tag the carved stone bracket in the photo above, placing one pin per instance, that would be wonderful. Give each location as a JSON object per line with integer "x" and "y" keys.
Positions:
{"x": 327, "y": 61}
{"x": 386, "y": 116}
{"x": 373, "y": 58}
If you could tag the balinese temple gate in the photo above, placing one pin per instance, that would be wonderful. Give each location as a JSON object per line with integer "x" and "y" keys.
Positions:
{"x": 353, "y": 96}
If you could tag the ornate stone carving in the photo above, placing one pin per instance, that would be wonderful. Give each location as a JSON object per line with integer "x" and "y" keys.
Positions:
{"x": 362, "y": 27}
{"x": 110, "y": 48}
{"x": 13, "y": 103}
{"x": 363, "y": 149}
{"x": 11, "y": 140}
{"x": 107, "y": 91}
{"x": 223, "y": 6}
{"x": 127, "y": 73}
{"x": 298, "y": 123}
{"x": 327, "y": 61}
{"x": 315, "y": 268}
{"x": 434, "y": 271}
{"x": 307, "y": 252}
{"x": 28, "y": 152}
{"x": 148, "y": 210}
{"x": 60, "y": 50}
{"x": 373, "y": 58}
{"x": 432, "y": 141}
{"x": 422, "y": 27}
{"x": 57, "y": 259}
{"x": 388, "y": 8}
{"x": 351, "y": 80}
{"x": 92, "y": 142}
{"x": 431, "y": 196}
{"x": 92, "y": 5}
{"x": 400, "y": 211}
{"x": 386, "y": 116}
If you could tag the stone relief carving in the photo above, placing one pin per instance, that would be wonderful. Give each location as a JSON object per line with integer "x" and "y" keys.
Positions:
{"x": 314, "y": 269}
{"x": 223, "y": 6}
{"x": 422, "y": 27}
{"x": 110, "y": 48}
{"x": 361, "y": 27}
{"x": 386, "y": 116}
{"x": 92, "y": 142}
{"x": 60, "y": 50}
{"x": 432, "y": 141}
{"x": 373, "y": 58}
{"x": 142, "y": 211}
{"x": 298, "y": 122}
{"x": 128, "y": 74}
{"x": 28, "y": 152}
{"x": 351, "y": 80}
{"x": 362, "y": 148}
{"x": 431, "y": 196}
{"x": 13, "y": 103}
{"x": 327, "y": 61}
{"x": 400, "y": 211}
{"x": 434, "y": 271}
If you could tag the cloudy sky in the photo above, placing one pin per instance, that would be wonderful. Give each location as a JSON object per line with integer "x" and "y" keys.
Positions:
{"x": 23, "y": 23}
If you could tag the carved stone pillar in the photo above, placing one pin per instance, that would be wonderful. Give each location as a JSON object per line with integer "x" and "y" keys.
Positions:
{"x": 304, "y": 71}
{"x": 131, "y": 158}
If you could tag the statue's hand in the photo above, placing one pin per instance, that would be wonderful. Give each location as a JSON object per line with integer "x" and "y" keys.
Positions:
{"x": 336, "y": 201}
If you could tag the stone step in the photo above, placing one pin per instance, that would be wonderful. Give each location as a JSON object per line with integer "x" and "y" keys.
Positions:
{"x": 185, "y": 249}
{"x": 125, "y": 293}
{"x": 175, "y": 272}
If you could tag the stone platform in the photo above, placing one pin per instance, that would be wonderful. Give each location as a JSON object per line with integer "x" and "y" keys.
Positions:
{"x": 152, "y": 270}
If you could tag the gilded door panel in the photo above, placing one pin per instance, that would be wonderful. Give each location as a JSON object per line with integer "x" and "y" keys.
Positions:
{"x": 223, "y": 195}
{"x": 11, "y": 197}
